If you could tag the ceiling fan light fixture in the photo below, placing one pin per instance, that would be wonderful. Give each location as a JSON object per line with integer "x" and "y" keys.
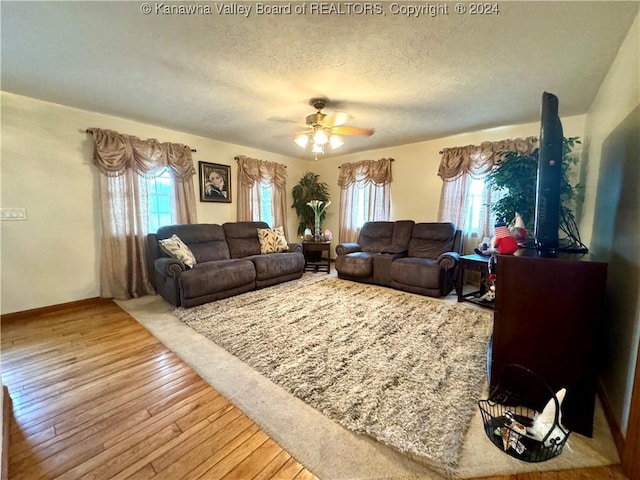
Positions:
{"x": 302, "y": 140}
{"x": 320, "y": 137}
{"x": 324, "y": 130}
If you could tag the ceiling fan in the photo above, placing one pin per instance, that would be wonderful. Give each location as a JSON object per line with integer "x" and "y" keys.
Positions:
{"x": 324, "y": 130}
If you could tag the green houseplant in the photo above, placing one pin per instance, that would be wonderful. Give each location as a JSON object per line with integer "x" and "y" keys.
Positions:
{"x": 516, "y": 175}
{"x": 307, "y": 189}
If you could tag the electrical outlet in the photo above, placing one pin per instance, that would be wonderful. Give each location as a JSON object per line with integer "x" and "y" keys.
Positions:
{"x": 11, "y": 214}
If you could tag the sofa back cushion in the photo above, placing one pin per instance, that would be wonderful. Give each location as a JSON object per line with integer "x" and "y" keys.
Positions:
{"x": 430, "y": 240}
{"x": 242, "y": 238}
{"x": 205, "y": 240}
{"x": 375, "y": 235}
{"x": 402, "y": 232}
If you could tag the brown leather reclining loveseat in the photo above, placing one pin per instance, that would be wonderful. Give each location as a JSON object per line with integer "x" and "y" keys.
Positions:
{"x": 420, "y": 258}
{"x": 228, "y": 262}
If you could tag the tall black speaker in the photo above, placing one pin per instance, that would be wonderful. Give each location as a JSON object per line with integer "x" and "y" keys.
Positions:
{"x": 547, "y": 217}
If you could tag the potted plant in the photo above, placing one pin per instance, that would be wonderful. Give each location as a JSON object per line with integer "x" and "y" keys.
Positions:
{"x": 308, "y": 188}
{"x": 517, "y": 175}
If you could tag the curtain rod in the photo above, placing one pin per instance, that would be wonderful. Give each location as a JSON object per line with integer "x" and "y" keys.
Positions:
{"x": 391, "y": 160}
{"x": 237, "y": 159}
{"x": 87, "y": 131}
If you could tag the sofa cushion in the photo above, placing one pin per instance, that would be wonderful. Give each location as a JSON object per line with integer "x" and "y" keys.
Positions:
{"x": 402, "y": 232}
{"x": 242, "y": 238}
{"x": 357, "y": 264}
{"x": 419, "y": 272}
{"x": 272, "y": 240}
{"x": 375, "y": 235}
{"x": 206, "y": 241}
{"x": 430, "y": 240}
{"x": 175, "y": 248}
{"x": 211, "y": 277}
{"x": 277, "y": 264}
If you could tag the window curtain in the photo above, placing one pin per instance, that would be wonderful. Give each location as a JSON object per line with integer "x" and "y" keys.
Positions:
{"x": 125, "y": 163}
{"x": 458, "y": 167}
{"x": 251, "y": 174}
{"x": 363, "y": 185}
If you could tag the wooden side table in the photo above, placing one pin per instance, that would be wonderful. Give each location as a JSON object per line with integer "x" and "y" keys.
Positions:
{"x": 473, "y": 263}
{"x": 314, "y": 256}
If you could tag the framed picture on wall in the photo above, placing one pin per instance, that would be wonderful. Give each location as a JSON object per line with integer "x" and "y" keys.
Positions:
{"x": 215, "y": 182}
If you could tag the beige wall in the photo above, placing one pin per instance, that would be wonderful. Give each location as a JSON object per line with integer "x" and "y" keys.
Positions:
{"x": 617, "y": 98}
{"x": 53, "y": 257}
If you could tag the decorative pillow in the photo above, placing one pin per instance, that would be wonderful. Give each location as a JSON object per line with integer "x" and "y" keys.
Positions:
{"x": 272, "y": 240}
{"x": 177, "y": 249}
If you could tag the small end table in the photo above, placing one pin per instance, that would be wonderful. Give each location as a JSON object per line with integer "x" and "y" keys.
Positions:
{"x": 473, "y": 263}
{"x": 314, "y": 258}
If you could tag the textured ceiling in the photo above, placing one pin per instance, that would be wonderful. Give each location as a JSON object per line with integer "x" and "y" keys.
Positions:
{"x": 248, "y": 79}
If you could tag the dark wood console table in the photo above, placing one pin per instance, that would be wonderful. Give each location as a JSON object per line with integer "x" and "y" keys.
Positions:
{"x": 314, "y": 256}
{"x": 547, "y": 318}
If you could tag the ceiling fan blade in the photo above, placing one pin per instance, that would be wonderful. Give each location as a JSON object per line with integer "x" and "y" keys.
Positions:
{"x": 282, "y": 120}
{"x": 352, "y": 131}
{"x": 336, "y": 119}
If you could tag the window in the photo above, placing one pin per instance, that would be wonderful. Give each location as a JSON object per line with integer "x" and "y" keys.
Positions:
{"x": 479, "y": 218}
{"x": 262, "y": 193}
{"x": 160, "y": 197}
{"x": 476, "y": 205}
{"x": 465, "y": 200}
{"x": 365, "y": 195}
{"x": 360, "y": 206}
{"x": 266, "y": 203}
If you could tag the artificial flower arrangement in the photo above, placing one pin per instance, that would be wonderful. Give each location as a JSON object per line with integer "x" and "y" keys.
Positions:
{"x": 318, "y": 207}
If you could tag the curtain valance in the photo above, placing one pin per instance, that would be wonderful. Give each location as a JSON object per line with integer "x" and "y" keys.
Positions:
{"x": 251, "y": 170}
{"x": 377, "y": 172}
{"x": 115, "y": 152}
{"x": 478, "y": 160}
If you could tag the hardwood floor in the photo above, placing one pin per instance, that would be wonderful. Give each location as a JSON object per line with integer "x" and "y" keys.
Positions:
{"x": 96, "y": 396}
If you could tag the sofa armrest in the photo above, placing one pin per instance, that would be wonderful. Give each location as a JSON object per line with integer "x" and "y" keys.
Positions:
{"x": 345, "y": 248}
{"x": 169, "y": 267}
{"x": 295, "y": 248}
{"x": 448, "y": 259}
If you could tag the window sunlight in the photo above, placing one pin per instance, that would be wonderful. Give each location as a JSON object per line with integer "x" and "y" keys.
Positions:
{"x": 160, "y": 198}
{"x": 475, "y": 202}
{"x": 266, "y": 203}
{"x": 361, "y": 204}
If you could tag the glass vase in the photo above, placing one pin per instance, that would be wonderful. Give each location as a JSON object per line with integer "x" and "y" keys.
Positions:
{"x": 316, "y": 233}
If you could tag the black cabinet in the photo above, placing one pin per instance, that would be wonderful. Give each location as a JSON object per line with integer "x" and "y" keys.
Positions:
{"x": 315, "y": 259}
{"x": 547, "y": 318}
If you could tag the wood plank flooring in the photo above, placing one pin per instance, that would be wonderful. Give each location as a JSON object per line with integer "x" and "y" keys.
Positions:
{"x": 96, "y": 396}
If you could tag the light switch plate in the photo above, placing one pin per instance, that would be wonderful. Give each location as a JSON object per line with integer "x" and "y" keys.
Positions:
{"x": 11, "y": 214}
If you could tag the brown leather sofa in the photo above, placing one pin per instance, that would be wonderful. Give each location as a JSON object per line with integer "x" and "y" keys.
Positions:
{"x": 420, "y": 258}
{"x": 228, "y": 262}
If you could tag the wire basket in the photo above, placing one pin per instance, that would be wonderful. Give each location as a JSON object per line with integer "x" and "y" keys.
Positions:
{"x": 508, "y": 421}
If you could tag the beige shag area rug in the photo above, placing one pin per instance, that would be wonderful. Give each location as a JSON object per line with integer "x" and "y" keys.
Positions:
{"x": 403, "y": 369}
{"x": 330, "y": 451}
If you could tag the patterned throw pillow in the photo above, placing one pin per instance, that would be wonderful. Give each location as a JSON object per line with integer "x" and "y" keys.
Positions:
{"x": 272, "y": 240}
{"x": 177, "y": 249}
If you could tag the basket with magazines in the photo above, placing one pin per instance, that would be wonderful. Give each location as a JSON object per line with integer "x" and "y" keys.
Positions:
{"x": 514, "y": 426}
